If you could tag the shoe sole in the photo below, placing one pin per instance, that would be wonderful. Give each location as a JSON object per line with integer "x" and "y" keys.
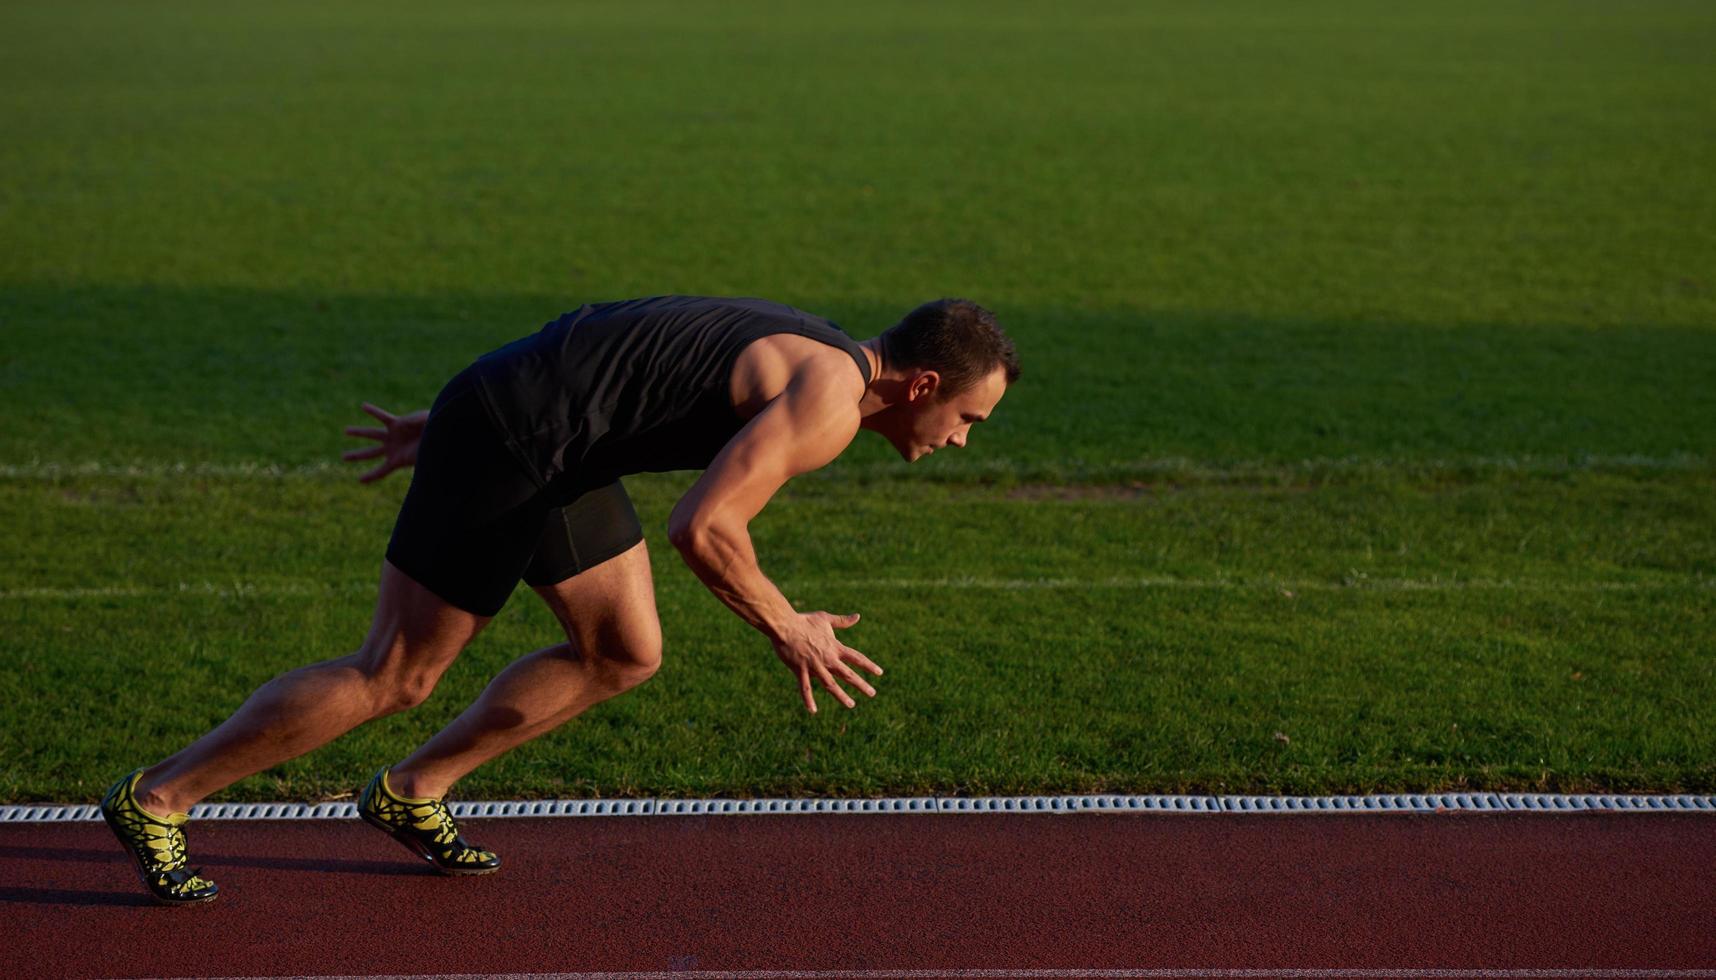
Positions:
{"x": 418, "y": 849}
{"x": 143, "y": 873}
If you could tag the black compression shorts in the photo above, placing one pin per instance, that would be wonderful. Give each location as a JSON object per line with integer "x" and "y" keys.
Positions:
{"x": 474, "y": 522}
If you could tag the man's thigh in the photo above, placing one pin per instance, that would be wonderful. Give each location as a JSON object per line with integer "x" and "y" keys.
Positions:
{"x": 414, "y": 635}
{"x": 608, "y": 611}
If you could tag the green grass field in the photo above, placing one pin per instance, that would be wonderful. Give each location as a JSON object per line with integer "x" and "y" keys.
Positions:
{"x": 1367, "y": 437}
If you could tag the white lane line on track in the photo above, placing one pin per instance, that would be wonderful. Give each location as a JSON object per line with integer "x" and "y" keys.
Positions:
{"x": 961, "y": 974}
{"x": 226, "y": 590}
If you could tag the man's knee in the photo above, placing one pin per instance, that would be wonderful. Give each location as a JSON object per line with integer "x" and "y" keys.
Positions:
{"x": 402, "y": 693}
{"x": 407, "y": 694}
{"x": 627, "y": 658}
{"x": 642, "y": 664}
{"x": 638, "y": 662}
{"x": 402, "y": 678}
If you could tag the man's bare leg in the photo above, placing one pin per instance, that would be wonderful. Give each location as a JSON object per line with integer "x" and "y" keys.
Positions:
{"x": 615, "y": 644}
{"x": 414, "y": 637}
{"x": 538, "y": 692}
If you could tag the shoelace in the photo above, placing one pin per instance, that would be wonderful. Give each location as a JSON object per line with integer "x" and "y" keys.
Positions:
{"x": 161, "y": 845}
{"x": 431, "y": 816}
{"x": 435, "y": 816}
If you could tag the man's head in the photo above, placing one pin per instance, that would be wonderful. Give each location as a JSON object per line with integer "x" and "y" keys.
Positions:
{"x": 951, "y": 364}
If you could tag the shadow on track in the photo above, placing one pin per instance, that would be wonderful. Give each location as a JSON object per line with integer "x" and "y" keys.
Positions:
{"x": 214, "y": 861}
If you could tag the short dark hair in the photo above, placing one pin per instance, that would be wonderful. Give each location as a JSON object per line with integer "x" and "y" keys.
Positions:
{"x": 955, "y": 338}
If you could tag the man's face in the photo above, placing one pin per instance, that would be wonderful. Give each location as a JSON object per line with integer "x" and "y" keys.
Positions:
{"x": 928, "y": 422}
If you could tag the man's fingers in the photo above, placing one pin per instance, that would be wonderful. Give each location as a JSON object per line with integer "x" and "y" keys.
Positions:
{"x": 379, "y": 413}
{"x": 836, "y": 689}
{"x": 375, "y": 474}
{"x": 861, "y": 660}
{"x": 804, "y": 688}
{"x": 366, "y": 431}
{"x": 357, "y": 454}
{"x": 849, "y": 619}
{"x": 853, "y": 679}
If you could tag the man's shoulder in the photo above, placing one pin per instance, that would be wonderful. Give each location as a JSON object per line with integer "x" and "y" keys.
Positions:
{"x": 798, "y": 355}
{"x": 770, "y": 365}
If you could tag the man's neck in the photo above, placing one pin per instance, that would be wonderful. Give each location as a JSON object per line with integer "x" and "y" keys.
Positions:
{"x": 883, "y": 391}
{"x": 872, "y": 349}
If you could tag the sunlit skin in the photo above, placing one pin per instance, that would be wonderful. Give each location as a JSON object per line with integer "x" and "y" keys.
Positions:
{"x": 802, "y": 401}
{"x": 911, "y": 411}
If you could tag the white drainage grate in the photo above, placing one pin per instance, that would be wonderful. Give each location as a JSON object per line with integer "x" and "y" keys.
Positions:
{"x": 1394, "y": 803}
{"x": 1544, "y": 801}
{"x": 1409, "y": 803}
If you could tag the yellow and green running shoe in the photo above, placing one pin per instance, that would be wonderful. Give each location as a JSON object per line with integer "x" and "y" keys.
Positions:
{"x": 426, "y": 828}
{"x": 156, "y": 845}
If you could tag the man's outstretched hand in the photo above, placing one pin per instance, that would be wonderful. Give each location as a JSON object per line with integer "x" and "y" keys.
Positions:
{"x": 398, "y": 439}
{"x": 810, "y": 649}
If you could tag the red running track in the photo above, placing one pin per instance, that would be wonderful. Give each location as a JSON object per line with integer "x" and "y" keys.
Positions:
{"x": 885, "y": 893}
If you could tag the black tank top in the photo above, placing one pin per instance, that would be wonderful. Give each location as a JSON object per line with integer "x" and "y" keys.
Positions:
{"x": 636, "y": 386}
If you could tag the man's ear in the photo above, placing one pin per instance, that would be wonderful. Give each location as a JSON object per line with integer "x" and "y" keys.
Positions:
{"x": 923, "y": 386}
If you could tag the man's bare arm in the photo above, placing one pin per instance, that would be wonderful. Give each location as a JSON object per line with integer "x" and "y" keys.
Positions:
{"x": 803, "y": 428}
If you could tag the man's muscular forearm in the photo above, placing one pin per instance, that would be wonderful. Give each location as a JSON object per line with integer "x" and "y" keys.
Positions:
{"x": 725, "y": 561}
{"x": 802, "y": 428}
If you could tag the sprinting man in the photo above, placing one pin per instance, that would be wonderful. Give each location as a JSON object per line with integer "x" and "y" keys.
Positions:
{"x": 518, "y": 467}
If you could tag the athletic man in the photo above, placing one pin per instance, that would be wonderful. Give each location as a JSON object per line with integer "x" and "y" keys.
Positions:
{"x": 518, "y": 467}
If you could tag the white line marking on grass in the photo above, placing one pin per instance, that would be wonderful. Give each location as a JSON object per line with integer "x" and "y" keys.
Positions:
{"x": 1357, "y": 583}
{"x": 1037, "y": 973}
{"x": 166, "y": 469}
{"x": 1045, "y": 470}
{"x": 1134, "y": 583}
{"x": 209, "y": 589}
